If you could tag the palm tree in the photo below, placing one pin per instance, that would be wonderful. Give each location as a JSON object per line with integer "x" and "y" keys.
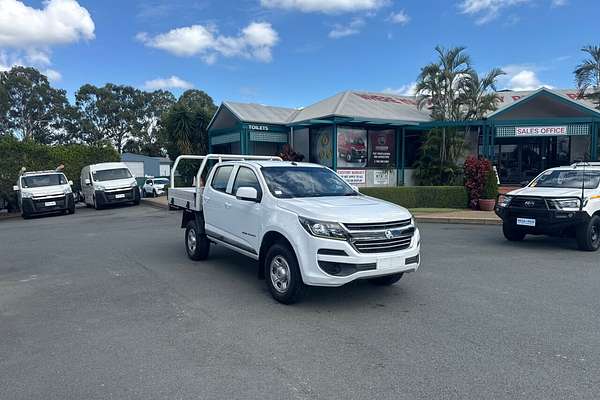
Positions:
{"x": 478, "y": 95}
{"x": 587, "y": 75}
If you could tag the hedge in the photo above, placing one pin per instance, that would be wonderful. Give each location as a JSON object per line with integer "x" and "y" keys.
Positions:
{"x": 422, "y": 196}
{"x": 15, "y": 154}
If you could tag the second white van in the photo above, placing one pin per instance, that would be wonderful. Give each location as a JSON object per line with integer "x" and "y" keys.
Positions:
{"x": 108, "y": 183}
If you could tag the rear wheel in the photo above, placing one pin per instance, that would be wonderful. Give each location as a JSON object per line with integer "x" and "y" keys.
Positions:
{"x": 588, "y": 235}
{"x": 283, "y": 275}
{"x": 387, "y": 280}
{"x": 512, "y": 233}
{"x": 197, "y": 244}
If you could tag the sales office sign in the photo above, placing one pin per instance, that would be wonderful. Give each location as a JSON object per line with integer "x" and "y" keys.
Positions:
{"x": 540, "y": 130}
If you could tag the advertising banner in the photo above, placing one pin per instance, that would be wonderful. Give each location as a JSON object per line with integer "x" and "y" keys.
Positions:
{"x": 321, "y": 146}
{"x": 353, "y": 176}
{"x": 381, "y": 177}
{"x": 382, "y": 149}
{"x": 352, "y": 147}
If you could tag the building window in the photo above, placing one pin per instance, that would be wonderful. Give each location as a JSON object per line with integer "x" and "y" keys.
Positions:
{"x": 351, "y": 147}
{"x": 412, "y": 150}
{"x": 381, "y": 148}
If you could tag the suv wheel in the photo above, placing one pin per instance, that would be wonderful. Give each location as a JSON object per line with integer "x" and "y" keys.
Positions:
{"x": 387, "y": 280}
{"x": 96, "y": 205}
{"x": 588, "y": 235}
{"x": 283, "y": 274}
{"x": 197, "y": 244}
{"x": 512, "y": 233}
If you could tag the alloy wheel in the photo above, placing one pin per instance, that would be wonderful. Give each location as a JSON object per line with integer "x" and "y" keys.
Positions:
{"x": 192, "y": 240}
{"x": 280, "y": 274}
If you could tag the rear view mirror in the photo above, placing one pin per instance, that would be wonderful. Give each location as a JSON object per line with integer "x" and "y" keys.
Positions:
{"x": 71, "y": 183}
{"x": 247, "y": 194}
{"x": 16, "y": 188}
{"x": 87, "y": 182}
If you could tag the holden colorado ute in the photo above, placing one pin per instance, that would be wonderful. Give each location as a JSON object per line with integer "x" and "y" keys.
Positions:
{"x": 303, "y": 223}
{"x": 562, "y": 201}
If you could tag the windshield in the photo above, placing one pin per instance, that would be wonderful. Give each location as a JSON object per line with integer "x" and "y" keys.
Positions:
{"x": 290, "y": 182}
{"x": 161, "y": 181}
{"x": 36, "y": 181}
{"x": 111, "y": 174}
{"x": 571, "y": 179}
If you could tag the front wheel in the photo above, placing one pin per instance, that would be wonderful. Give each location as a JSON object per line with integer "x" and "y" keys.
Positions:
{"x": 197, "y": 244}
{"x": 511, "y": 233}
{"x": 588, "y": 235}
{"x": 283, "y": 274}
{"x": 387, "y": 280}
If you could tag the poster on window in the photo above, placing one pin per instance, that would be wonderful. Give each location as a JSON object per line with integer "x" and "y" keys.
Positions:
{"x": 381, "y": 177}
{"x": 382, "y": 149}
{"x": 352, "y": 147}
{"x": 353, "y": 176}
{"x": 321, "y": 147}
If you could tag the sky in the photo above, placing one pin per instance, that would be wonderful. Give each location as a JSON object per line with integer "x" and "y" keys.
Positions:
{"x": 291, "y": 53}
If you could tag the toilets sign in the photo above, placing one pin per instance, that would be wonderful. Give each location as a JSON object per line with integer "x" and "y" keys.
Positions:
{"x": 540, "y": 130}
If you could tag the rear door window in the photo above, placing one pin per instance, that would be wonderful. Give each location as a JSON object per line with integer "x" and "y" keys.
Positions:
{"x": 221, "y": 178}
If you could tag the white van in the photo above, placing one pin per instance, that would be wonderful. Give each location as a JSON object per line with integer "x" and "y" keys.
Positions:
{"x": 41, "y": 192}
{"x": 108, "y": 183}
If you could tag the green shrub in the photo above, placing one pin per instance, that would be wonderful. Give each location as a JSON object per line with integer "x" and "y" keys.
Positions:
{"x": 490, "y": 188}
{"x": 422, "y": 196}
{"x": 15, "y": 154}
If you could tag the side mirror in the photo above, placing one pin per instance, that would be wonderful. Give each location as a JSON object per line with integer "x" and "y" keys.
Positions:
{"x": 524, "y": 183}
{"x": 15, "y": 188}
{"x": 247, "y": 194}
{"x": 71, "y": 183}
{"x": 87, "y": 182}
{"x": 355, "y": 188}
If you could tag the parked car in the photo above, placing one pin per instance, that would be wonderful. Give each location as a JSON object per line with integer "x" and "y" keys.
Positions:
{"x": 352, "y": 149}
{"x": 154, "y": 187}
{"x": 108, "y": 183}
{"x": 302, "y": 222}
{"x": 562, "y": 201}
{"x": 40, "y": 192}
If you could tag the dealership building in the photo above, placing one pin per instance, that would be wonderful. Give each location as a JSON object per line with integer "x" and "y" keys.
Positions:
{"x": 373, "y": 139}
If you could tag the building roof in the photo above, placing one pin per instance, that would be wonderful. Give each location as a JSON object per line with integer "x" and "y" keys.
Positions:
{"x": 251, "y": 112}
{"x": 362, "y": 106}
{"x": 366, "y": 105}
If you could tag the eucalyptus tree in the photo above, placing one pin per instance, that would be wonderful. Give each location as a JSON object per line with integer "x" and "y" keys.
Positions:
{"x": 587, "y": 75}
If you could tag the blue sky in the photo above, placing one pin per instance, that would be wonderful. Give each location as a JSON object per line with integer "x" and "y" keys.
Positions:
{"x": 291, "y": 52}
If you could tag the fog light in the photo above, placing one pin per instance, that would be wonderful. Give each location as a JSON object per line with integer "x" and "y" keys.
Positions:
{"x": 412, "y": 260}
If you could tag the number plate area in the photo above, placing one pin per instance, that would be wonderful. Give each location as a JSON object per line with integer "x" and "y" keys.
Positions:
{"x": 525, "y": 221}
{"x": 120, "y": 196}
{"x": 50, "y": 203}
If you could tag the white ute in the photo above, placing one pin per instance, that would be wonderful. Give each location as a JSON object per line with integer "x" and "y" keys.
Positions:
{"x": 302, "y": 222}
{"x": 41, "y": 192}
{"x": 562, "y": 201}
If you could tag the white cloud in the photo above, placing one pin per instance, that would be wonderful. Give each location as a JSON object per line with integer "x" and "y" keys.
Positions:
{"x": 255, "y": 41}
{"x": 353, "y": 28}
{"x": 325, "y": 6}
{"x": 486, "y": 10}
{"x": 400, "y": 17}
{"x": 521, "y": 77}
{"x": 173, "y": 82}
{"x": 559, "y": 3}
{"x": 405, "y": 90}
{"x": 27, "y": 34}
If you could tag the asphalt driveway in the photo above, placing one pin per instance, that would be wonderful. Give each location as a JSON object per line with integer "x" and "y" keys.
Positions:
{"x": 106, "y": 305}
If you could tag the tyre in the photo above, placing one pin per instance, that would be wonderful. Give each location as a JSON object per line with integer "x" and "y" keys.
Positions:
{"x": 154, "y": 194}
{"x": 348, "y": 157}
{"x": 282, "y": 274}
{"x": 387, "y": 280}
{"x": 197, "y": 244}
{"x": 71, "y": 210}
{"x": 588, "y": 235}
{"x": 512, "y": 233}
{"x": 96, "y": 205}
{"x": 25, "y": 215}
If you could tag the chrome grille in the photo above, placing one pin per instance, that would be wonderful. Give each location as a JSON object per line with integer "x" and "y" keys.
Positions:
{"x": 382, "y": 241}
{"x": 377, "y": 226}
{"x": 532, "y": 203}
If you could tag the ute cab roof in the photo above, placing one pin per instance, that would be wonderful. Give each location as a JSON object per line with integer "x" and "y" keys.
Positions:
{"x": 269, "y": 163}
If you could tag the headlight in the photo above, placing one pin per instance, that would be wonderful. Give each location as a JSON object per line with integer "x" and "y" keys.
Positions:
{"x": 100, "y": 188}
{"x": 134, "y": 184}
{"x": 67, "y": 190}
{"x": 565, "y": 204}
{"x": 329, "y": 230}
{"x": 504, "y": 201}
{"x": 26, "y": 195}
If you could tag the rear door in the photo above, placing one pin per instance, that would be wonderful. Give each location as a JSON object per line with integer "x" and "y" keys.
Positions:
{"x": 246, "y": 215}
{"x": 216, "y": 202}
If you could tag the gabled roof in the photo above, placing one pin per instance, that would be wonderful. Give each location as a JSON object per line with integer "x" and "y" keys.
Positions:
{"x": 251, "y": 112}
{"x": 510, "y": 99}
{"x": 367, "y": 106}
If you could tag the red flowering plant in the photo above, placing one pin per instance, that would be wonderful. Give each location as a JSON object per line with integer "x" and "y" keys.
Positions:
{"x": 476, "y": 170}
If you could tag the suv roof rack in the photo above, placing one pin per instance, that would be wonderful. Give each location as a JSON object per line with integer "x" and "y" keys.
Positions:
{"x": 50, "y": 171}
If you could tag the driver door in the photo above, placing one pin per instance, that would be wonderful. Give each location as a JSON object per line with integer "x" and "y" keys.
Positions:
{"x": 246, "y": 215}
